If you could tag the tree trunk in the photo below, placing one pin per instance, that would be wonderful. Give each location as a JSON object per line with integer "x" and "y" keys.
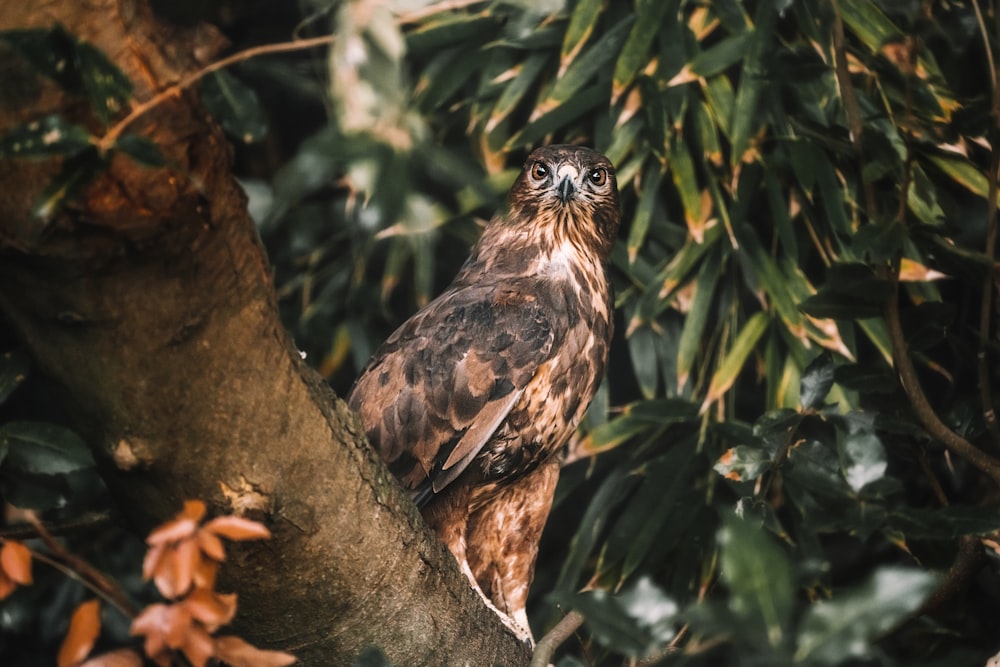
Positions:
{"x": 150, "y": 299}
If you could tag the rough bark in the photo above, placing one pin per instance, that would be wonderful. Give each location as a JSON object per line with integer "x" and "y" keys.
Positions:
{"x": 150, "y": 299}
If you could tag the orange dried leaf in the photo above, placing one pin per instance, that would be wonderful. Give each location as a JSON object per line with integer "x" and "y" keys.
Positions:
{"x": 238, "y": 528}
{"x": 211, "y": 545}
{"x": 122, "y": 657}
{"x": 210, "y": 608}
{"x": 84, "y": 627}
{"x": 193, "y": 509}
{"x": 175, "y": 571}
{"x": 151, "y": 623}
{"x": 15, "y": 561}
{"x": 198, "y": 646}
{"x": 181, "y": 526}
{"x": 238, "y": 653}
{"x": 173, "y": 531}
{"x": 204, "y": 574}
{"x": 154, "y": 556}
{"x": 164, "y": 626}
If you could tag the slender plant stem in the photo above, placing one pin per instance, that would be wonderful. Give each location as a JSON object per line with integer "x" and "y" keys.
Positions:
{"x": 113, "y": 133}
{"x": 989, "y": 285}
{"x": 555, "y": 637}
{"x": 78, "y": 568}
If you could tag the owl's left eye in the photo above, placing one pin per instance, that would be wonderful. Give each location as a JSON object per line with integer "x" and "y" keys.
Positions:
{"x": 598, "y": 176}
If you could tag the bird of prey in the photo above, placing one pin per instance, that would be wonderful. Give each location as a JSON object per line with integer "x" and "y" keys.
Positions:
{"x": 471, "y": 400}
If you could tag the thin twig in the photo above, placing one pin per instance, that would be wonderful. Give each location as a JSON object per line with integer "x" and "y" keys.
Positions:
{"x": 82, "y": 522}
{"x": 555, "y": 637}
{"x": 986, "y": 307}
{"x": 108, "y": 140}
{"x": 78, "y": 568}
{"x": 112, "y": 135}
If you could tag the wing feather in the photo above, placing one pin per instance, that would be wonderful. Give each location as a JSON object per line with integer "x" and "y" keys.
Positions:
{"x": 440, "y": 387}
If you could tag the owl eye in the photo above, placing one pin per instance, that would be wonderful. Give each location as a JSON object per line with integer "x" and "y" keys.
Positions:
{"x": 539, "y": 171}
{"x": 598, "y": 176}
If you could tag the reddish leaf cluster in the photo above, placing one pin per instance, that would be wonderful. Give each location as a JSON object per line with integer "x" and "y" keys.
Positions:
{"x": 15, "y": 566}
{"x": 183, "y": 553}
{"x": 183, "y": 559}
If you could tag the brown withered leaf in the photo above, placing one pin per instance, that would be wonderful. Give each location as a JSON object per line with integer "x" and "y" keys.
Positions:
{"x": 84, "y": 628}
{"x": 238, "y": 653}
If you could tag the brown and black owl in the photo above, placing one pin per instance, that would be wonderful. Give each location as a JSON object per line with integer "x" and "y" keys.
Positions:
{"x": 471, "y": 400}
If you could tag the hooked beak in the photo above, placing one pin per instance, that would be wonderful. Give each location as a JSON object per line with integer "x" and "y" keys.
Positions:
{"x": 566, "y": 189}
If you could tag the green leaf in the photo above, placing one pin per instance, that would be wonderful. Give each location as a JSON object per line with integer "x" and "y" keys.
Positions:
{"x": 868, "y": 22}
{"x": 846, "y": 626}
{"x": 727, "y": 371}
{"x": 758, "y": 574}
{"x": 51, "y": 52}
{"x": 862, "y": 457}
{"x": 584, "y": 67}
{"x": 512, "y": 95}
{"x": 644, "y": 210}
{"x": 693, "y": 334}
{"x": 753, "y": 81}
{"x": 107, "y": 87}
{"x": 742, "y": 463}
{"x": 561, "y": 115}
{"x": 816, "y": 381}
{"x": 445, "y": 29}
{"x": 581, "y": 26}
{"x": 77, "y": 171}
{"x": 235, "y": 105}
{"x": 643, "y": 353}
{"x": 945, "y": 523}
{"x": 42, "y": 448}
{"x": 141, "y": 149}
{"x": 52, "y": 135}
{"x": 605, "y": 501}
{"x": 635, "y": 53}
{"x": 14, "y": 367}
{"x": 721, "y": 56}
{"x": 963, "y": 172}
{"x": 851, "y": 291}
{"x": 866, "y": 378}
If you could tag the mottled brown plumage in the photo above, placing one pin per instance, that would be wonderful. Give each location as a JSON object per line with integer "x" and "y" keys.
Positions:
{"x": 471, "y": 399}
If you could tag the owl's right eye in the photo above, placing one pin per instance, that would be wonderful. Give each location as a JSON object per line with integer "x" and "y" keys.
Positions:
{"x": 539, "y": 171}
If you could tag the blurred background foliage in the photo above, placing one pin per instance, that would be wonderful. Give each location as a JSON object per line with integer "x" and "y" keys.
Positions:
{"x": 754, "y": 487}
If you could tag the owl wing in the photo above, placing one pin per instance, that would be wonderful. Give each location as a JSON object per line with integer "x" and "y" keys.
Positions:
{"x": 444, "y": 382}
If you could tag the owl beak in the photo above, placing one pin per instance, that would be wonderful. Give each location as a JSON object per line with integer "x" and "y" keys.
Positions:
{"x": 566, "y": 189}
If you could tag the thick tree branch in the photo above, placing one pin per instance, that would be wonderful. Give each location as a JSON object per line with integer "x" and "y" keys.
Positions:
{"x": 150, "y": 299}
